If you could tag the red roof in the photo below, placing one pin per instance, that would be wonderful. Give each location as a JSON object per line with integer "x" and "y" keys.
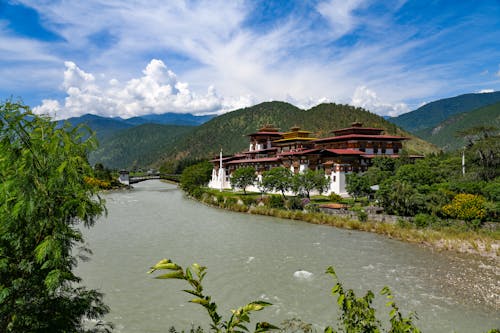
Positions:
{"x": 266, "y": 133}
{"x": 345, "y": 151}
{"x": 360, "y": 136}
{"x": 358, "y": 129}
{"x": 299, "y": 152}
{"x": 255, "y": 160}
{"x": 259, "y": 151}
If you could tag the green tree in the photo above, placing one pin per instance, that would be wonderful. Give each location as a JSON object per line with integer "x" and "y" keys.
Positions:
{"x": 44, "y": 198}
{"x": 357, "y": 185}
{"x": 243, "y": 177}
{"x": 195, "y": 176}
{"x": 303, "y": 183}
{"x": 278, "y": 179}
{"x": 483, "y": 148}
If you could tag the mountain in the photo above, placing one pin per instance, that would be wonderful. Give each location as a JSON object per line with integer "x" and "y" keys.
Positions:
{"x": 104, "y": 127}
{"x": 229, "y": 130}
{"x": 137, "y": 146}
{"x": 432, "y": 114}
{"x": 444, "y": 134}
{"x": 184, "y": 119}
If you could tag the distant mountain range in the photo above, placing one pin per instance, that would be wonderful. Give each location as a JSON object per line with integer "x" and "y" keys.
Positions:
{"x": 439, "y": 122}
{"x": 106, "y": 127}
{"x": 445, "y": 134}
{"x": 434, "y": 113}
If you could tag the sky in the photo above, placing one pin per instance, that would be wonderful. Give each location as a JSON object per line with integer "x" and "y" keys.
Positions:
{"x": 121, "y": 58}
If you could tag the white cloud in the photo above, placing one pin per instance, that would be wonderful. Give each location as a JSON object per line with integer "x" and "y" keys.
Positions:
{"x": 157, "y": 91}
{"x": 340, "y": 14}
{"x": 368, "y": 99}
{"x": 486, "y": 91}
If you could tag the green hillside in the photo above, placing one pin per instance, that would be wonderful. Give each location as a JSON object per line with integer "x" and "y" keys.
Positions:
{"x": 444, "y": 134}
{"x": 102, "y": 126}
{"x": 432, "y": 114}
{"x": 138, "y": 146}
{"x": 229, "y": 130}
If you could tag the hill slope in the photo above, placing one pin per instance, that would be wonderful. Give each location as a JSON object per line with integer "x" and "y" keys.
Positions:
{"x": 444, "y": 134}
{"x": 169, "y": 118}
{"x": 137, "y": 147}
{"x": 432, "y": 114}
{"x": 229, "y": 130}
{"x": 104, "y": 127}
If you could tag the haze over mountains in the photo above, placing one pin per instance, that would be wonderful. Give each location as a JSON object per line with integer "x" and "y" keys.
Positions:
{"x": 155, "y": 139}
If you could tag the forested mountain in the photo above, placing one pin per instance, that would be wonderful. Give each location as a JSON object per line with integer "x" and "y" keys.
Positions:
{"x": 229, "y": 130}
{"x": 137, "y": 147}
{"x": 432, "y": 114}
{"x": 444, "y": 135}
{"x": 169, "y": 118}
{"x": 104, "y": 127}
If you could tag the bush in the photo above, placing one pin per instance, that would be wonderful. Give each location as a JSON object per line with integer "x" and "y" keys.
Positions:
{"x": 248, "y": 201}
{"x": 466, "y": 207}
{"x": 276, "y": 201}
{"x": 422, "y": 220}
{"x": 362, "y": 216}
{"x": 334, "y": 197}
{"x": 294, "y": 203}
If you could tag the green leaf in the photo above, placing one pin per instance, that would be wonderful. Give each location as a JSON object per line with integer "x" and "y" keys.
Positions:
{"x": 172, "y": 275}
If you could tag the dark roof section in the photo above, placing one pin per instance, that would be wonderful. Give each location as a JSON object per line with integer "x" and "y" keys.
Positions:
{"x": 360, "y": 136}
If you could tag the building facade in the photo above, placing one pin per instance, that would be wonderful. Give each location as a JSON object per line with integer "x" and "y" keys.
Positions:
{"x": 348, "y": 150}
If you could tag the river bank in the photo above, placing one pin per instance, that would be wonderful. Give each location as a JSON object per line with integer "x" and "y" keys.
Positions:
{"x": 483, "y": 242}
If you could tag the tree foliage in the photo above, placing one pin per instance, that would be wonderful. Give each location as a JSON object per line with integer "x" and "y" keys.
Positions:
{"x": 243, "y": 177}
{"x": 195, "y": 176}
{"x": 305, "y": 182}
{"x": 278, "y": 179}
{"x": 357, "y": 185}
{"x": 44, "y": 198}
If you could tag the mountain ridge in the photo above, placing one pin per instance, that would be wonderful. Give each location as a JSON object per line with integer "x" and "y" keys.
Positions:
{"x": 433, "y": 113}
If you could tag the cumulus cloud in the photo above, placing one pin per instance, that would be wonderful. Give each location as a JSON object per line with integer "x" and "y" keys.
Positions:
{"x": 157, "y": 91}
{"x": 368, "y": 99}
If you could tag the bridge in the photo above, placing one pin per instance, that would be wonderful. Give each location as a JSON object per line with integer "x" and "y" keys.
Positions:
{"x": 127, "y": 179}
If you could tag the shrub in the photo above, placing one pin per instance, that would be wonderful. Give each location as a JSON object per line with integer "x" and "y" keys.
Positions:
{"x": 294, "y": 203}
{"x": 334, "y": 197}
{"x": 276, "y": 201}
{"x": 362, "y": 215}
{"x": 422, "y": 220}
{"x": 466, "y": 207}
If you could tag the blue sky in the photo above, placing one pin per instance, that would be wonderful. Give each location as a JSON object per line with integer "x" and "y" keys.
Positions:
{"x": 127, "y": 58}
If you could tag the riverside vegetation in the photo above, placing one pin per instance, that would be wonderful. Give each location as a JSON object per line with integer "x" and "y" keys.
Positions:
{"x": 437, "y": 204}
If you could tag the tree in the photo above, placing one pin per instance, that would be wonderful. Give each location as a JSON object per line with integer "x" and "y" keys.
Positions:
{"x": 483, "y": 145}
{"x": 243, "y": 177}
{"x": 304, "y": 183}
{"x": 195, "y": 176}
{"x": 44, "y": 198}
{"x": 357, "y": 185}
{"x": 277, "y": 179}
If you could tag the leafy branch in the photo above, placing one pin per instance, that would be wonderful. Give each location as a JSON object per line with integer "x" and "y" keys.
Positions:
{"x": 194, "y": 275}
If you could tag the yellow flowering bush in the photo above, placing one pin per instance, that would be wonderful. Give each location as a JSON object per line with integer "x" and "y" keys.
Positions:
{"x": 466, "y": 207}
{"x": 97, "y": 183}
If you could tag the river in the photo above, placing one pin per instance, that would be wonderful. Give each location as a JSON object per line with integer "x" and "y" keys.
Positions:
{"x": 253, "y": 257}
